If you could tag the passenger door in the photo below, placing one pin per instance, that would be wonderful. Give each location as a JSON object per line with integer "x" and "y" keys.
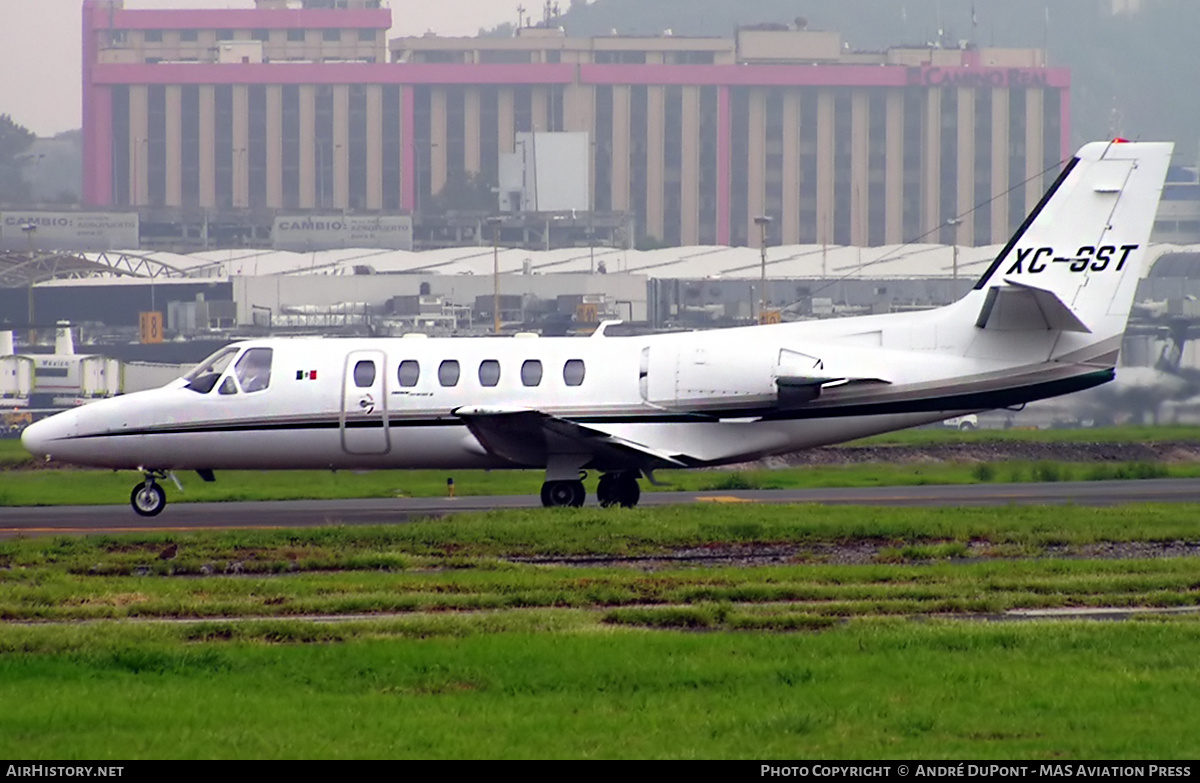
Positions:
{"x": 364, "y": 419}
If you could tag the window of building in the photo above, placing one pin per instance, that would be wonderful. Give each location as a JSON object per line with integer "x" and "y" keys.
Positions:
{"x": 448, "y": 373}
{"x": 260, "y": 35}
{"x": 573, "y": 372}
{"x": 505, "y": 56}
{"x": 364, "y": 374}
{"x": 409, "y": 373}
{"x": 118, "y": 36}
{"x": 152, "y": 36}
{"x": 437, "y": 57}
{"x": 489, "y": 372}
{"x": 367, "y": 36}
{"x": 224, "y": 35}
{"x": 331, "y": 35}
{"x": 531, "y": 372}
{"x": 296, "y": 36}
{"x": 189, "y": 36}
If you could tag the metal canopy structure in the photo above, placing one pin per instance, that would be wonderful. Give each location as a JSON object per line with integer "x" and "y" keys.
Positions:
{"x": 19, "y": 269}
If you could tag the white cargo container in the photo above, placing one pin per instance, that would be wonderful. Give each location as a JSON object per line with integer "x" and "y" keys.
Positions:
{"x": 16, "y": 375}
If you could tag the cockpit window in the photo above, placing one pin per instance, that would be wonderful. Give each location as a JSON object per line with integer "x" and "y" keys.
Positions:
{"x": 227, "y": 386}
{"x": 253, "y": 370}
{"x": 204, "y": 375}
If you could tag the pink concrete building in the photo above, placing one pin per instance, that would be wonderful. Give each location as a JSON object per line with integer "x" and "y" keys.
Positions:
{"x": 303, "y": 105}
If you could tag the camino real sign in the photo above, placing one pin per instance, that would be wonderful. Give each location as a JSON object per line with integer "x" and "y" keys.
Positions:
{"x": 68, "y": 230}
{"x": 334, "y": 232}
{"x": 928, "y": 76}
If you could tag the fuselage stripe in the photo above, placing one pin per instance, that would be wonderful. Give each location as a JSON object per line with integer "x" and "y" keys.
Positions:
{"x": 975, "y": 400}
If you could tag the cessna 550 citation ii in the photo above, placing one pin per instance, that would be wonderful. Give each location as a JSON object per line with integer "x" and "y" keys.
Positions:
{"x": 1045, "y": 319}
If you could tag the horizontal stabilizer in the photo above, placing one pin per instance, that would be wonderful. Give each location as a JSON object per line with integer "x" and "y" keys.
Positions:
{"x": 1019, "y": 307}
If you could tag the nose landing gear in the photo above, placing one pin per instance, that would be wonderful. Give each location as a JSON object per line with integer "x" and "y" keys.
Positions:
{"x": 148, "y": 498}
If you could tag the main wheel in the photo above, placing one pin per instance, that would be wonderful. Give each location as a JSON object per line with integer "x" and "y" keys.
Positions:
{"x": 628, "y": 492}
{"x": 556, "y": 494}
{"x": 606, "y": 490}
{"x": 148, "y": 499}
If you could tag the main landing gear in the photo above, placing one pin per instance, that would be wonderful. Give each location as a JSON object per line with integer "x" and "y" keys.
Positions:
{"x": 620, "y": 488}
{"x": 148, "y": 498}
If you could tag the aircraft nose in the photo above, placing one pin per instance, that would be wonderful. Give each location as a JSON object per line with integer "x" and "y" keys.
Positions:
{"x": 42, "y": 437}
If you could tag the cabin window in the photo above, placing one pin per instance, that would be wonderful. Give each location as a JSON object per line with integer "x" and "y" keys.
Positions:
{"x": 573, "y": 372}
{"x": 489, "y": 372}
{"x": 254, "y": 370}
{"x": 531, "y": 372}
{"x": 364, "y": 374}
{"x": 204, "y": 375}
{"x": 409, "y": 373}
{"x": 448, "y": 373}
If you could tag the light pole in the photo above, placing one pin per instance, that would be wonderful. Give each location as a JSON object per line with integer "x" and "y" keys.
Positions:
{"x": 30, "y": 229}
{"x": 954, "y": 223}
{"x": 591, "y": 233}
{"x": 495, "y": 222}
{"x": 763, "y": 221}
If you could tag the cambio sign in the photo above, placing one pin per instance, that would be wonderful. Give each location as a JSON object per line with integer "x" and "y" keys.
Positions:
{"x": 68, "y": 230}
{"x": 330, "y": 233}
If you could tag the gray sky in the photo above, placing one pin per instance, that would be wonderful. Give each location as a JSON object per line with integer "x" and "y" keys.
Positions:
{"x": 40, "y": 47}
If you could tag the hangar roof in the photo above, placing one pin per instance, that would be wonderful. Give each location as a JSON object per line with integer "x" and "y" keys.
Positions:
{"x": 805, "y": 262}
{"x": 789, "y": 261}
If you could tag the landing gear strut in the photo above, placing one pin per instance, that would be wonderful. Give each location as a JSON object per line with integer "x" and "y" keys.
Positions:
{"x": 148, "y": 498}
{"x": 563, "y": 493}
{"x": 619, "y": 489}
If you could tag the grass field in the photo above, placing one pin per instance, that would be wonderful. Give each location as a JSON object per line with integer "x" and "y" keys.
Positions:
{"x": 529, "y": 634}
{"x": 677, "y": 632}
{"x": 865, "y": 690}
{"x": 75, "y": 487}
{"x": 88, "y": 487}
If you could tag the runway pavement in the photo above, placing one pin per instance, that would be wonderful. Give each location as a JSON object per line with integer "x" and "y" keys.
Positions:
{"x": 52, "y": 520}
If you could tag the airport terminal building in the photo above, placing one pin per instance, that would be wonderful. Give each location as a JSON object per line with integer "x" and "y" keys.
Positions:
{"x": 302, "y": 106}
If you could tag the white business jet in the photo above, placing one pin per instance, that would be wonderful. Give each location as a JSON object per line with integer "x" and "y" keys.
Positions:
{"x": 1045, "y": 319}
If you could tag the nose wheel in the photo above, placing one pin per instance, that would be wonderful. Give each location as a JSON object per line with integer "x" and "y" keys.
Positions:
{"x": 148, "y": 498}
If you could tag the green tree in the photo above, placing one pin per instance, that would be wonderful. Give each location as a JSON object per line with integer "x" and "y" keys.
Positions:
{"x": 14, "y": 141}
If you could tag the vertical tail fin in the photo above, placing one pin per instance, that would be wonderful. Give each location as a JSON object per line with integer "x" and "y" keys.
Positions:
{"x": 1076, "y": 260}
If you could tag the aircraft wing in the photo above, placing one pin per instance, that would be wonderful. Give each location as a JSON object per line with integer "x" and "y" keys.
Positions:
{"x": 531, "y": 437}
